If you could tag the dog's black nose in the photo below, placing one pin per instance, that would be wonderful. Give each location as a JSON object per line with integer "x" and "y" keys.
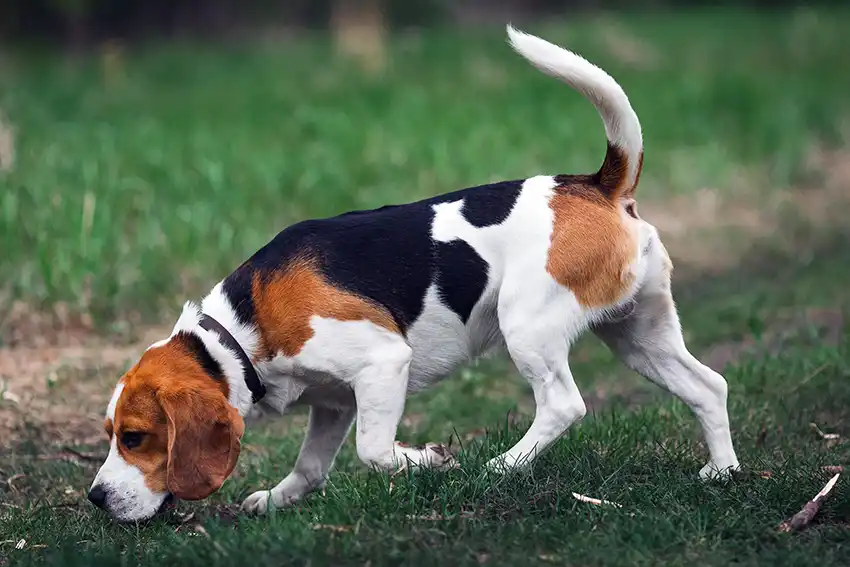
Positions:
{"x": 97, "y": 496}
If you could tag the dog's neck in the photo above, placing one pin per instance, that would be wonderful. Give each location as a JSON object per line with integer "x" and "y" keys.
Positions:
{"x": 281, "y": 390}
{"x": 216, "y": 305}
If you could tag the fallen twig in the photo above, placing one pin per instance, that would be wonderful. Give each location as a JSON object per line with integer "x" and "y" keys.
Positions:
{"x": 807, "y": 378}
{"x": 394, "y": 474}
{"x": 12, "y": 479}
{"x": 332, "y": 528}
{"x": 184, "y": 520}
{"x": 805, "y": 516}
{"x": 826, "y": 436}
{"x": 435, "y": 517}
{"x": 596, "y": 501}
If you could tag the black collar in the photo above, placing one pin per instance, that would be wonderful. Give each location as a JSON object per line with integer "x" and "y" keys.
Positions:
{"x": 252, "y": 380}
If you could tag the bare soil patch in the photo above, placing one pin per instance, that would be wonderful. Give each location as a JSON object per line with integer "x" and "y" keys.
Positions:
{"x": 63, "y": 388}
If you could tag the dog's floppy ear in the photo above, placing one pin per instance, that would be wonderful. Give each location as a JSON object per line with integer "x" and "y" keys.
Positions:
{"x": 204, "y": 433}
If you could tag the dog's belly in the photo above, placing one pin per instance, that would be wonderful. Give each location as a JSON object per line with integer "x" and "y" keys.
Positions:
{"x": 441, "y": 341}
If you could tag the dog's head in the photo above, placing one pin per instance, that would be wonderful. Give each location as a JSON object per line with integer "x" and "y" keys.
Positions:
{"x": 171, "y": 431}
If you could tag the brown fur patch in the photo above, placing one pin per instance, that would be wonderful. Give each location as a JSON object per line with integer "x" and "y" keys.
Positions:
{"x": 612, "y": 176}
{"x": 171, "y": 376}
{"x": 285, "y": 305}
{"x": 591, "y": 248}
{"x": 613, "y": 172}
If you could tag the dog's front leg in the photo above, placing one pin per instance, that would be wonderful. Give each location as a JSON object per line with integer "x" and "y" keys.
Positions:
{"x": 380, "y": 392}
{"x": 326, "y": 431}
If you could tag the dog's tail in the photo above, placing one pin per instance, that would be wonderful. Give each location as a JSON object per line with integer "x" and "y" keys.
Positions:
{"x": 620, "y": 171}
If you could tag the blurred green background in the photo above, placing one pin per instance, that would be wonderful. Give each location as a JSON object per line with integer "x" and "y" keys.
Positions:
{"x": 147, "y": 148}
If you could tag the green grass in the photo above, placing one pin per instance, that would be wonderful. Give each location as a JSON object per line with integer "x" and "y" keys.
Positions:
{"x": 134, "y": 188}
{"x": 198, "y": 155}
{"x": 646, "y": 459}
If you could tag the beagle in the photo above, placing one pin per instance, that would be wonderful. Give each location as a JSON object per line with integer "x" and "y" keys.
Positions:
{"x": 350, "y": 314}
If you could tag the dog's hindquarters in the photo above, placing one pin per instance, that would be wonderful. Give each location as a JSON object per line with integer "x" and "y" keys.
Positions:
{"x": 650, "y": 342}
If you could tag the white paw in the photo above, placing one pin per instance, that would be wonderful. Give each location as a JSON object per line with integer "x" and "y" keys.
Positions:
{"x": 507, "y": 463}
{"x": 440, "y": 457}
{"x": 712, "y": 471}
{"x": 432, "y": 456}
{"x": 258, "y": 503}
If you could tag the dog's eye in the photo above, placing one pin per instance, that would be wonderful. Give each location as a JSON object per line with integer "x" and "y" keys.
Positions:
{"x": 131, "y": 439}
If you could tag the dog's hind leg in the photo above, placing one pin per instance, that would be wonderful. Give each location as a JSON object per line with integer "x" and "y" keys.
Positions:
{"x": 650, "y": 342}
{"x": 538, "y": 340}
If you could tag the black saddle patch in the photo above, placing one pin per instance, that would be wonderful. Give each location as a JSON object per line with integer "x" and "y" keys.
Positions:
{"x": 492, "y": 206}
{"x": 461, "y": 276}
{"x": 386, "y": 255}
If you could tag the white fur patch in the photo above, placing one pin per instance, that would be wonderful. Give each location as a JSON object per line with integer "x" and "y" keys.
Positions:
{"x": 113, "y": 402}
{"x": 127, "y": 496}
{"x": 441, "y": 343}
{"x": 218, "y": 306}
{"x": 188, "y": 320}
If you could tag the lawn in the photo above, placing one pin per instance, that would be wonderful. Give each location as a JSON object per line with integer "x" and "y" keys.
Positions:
{"x": 143, "y": 177}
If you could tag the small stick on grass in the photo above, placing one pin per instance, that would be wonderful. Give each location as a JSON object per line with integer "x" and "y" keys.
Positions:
{"x": 805, "y": 516}
{"x": 597, "y": 501}
{"x": 822, "y": 435}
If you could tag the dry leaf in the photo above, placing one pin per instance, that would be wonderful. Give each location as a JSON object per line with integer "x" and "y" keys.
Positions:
{"x": 21, "y": 544}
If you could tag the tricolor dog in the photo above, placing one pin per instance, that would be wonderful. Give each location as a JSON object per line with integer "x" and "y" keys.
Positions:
{"x": 351, "y": 314}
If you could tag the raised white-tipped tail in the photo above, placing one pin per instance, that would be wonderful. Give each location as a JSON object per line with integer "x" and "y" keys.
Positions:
{"x": 621, "y": 169}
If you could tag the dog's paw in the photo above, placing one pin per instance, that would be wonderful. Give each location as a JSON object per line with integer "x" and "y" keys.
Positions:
{"x": 712, "y": 471}
{"x": 258, "y": 503}
{"x": 428, "y": 456}
{"x": 440, "y": 457}
{"x": 265, "y": 501}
